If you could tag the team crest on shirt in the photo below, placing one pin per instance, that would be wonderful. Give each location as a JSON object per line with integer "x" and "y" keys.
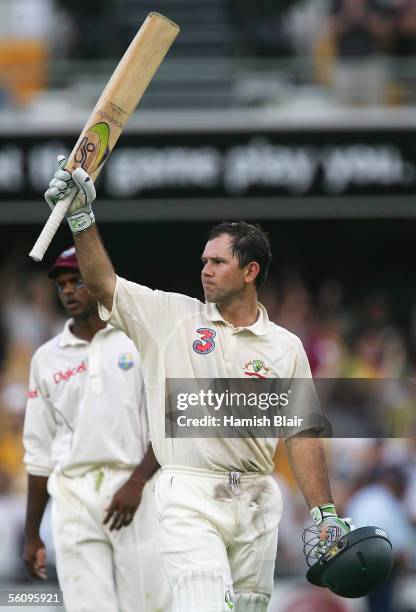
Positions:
{"x": 256, "y": 368}
{"x": 125, "y": 361}
{"x": 205, "y": 344}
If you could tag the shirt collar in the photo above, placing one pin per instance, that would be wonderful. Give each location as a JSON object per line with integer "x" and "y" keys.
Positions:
{"x": 259, "y": 328}
{"x": 68, "y": 339}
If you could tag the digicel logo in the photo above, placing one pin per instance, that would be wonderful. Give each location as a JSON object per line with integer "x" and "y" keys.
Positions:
{"x": 58, "y": 376}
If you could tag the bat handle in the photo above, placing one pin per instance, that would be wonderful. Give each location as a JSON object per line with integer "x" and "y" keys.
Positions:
{"x": 49, "y": 231}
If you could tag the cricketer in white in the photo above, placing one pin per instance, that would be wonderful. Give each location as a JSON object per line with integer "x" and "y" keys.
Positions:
{"x": 218, "y": 505}
{"x": 86, "y": 431}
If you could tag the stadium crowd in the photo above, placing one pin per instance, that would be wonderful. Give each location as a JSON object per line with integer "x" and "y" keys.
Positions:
{"x": 348, "y": 52}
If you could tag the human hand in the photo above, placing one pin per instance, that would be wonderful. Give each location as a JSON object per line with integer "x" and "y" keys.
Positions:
{"x": 330, "y": 527}
{"x": 34, "y": 556}
{"x": 78, "y": 192}
{"x": 124, "y": 504}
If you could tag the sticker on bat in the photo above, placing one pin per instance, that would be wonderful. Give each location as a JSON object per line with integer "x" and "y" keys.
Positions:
{"x": 93, "y": 149}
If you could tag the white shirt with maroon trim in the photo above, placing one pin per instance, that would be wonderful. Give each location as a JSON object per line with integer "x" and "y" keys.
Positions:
{"x": 181, "y": 337}
{"x": 86, "y": 405}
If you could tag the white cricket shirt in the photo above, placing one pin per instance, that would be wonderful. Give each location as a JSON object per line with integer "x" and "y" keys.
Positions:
{"x": 181, "y": 337}
{"x": 86, "y": 405}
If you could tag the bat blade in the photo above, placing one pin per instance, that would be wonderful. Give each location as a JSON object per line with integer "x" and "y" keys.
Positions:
{"x": 117, "y": 102}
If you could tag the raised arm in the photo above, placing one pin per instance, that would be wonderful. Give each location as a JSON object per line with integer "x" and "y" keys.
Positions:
{"x": 96, "y": 268}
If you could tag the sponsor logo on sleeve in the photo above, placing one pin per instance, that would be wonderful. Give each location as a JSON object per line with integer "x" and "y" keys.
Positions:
{"x": 65, "y": 375}
{"x": 125, "y": 361}
{"x": 31, "y": 393}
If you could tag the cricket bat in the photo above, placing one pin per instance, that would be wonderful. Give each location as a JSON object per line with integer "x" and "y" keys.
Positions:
{"x": 120, "y": 97}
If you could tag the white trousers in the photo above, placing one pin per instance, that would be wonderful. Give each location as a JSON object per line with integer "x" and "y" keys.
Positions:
{"x": 218, "y": 536}
{"x": 99, "y": 570}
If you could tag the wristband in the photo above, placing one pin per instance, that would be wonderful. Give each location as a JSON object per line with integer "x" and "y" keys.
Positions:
{"x": 319, "y": 513}
{"x": 80, "y": 221}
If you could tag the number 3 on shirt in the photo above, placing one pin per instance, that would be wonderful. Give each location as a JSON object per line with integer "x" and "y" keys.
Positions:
{"x": 206, "y": 343}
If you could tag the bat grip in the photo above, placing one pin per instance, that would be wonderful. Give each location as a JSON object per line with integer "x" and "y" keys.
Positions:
{"x": 49, "y": 230}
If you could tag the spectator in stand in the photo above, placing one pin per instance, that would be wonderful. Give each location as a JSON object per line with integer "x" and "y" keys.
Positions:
{"x": 93, "y": 33}
{"x": 365, "y": 359}
{"x": 263, "y": 28}
{"x": 410, "y": 499}
{"x": 405, "y": 29}
{"x": 11, "y": 447}
{"x": 31, "y": 18}
{"x": 361, "y": 32}
{"x": 11, "y": 528}
{"x": 404, "y": 52}
{"x": 295, "y": 310}
{"x": 326, "y": 349}
{"x": 381, "y": 503}
{"x": 375, "y": 311}
{"x": 31, "y": 313}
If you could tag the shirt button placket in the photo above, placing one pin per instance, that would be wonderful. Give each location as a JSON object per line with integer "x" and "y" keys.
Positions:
{"x": 95, "y": 374}
{"x": 229, "y": 355}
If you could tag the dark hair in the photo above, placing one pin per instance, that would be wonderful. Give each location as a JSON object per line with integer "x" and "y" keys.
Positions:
{"x": 248, "y": 243}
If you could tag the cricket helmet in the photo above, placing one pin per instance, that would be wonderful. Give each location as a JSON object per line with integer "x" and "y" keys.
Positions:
{"x": 354, "y": 565}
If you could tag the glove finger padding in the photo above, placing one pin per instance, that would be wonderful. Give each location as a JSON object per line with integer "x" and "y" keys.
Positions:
{"x": 63, "y": 175}
{"x": 61, "y": 159}
{"x": 53, "y": 193}
{"x": 60, "y": 186}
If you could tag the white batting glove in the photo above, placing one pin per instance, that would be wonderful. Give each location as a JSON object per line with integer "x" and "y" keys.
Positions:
{"x": 78, "y": 191}
{"x": 331, "y": 527}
